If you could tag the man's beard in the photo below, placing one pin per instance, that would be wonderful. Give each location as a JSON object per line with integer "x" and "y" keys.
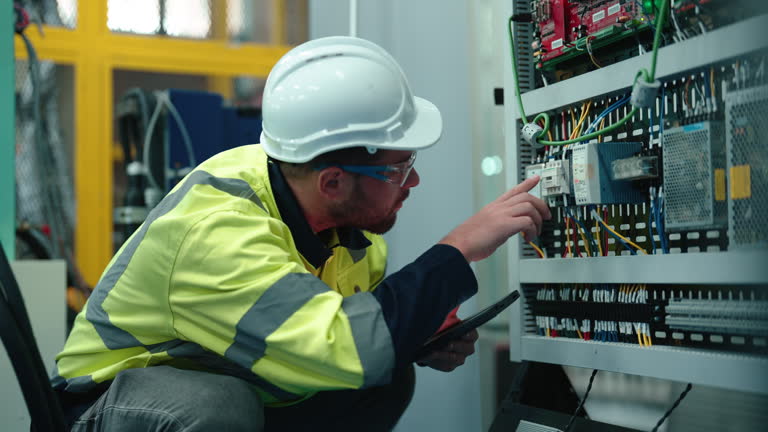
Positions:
{"x": 354, "y": 213}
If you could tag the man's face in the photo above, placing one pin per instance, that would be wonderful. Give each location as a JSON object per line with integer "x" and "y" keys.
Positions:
{"x": 373, "y": 204}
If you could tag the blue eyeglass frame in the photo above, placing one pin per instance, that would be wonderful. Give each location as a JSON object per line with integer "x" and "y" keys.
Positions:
{"x": 374, "y": 171}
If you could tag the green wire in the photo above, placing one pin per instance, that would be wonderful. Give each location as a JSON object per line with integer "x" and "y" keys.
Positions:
{"x": 649, "y": 77}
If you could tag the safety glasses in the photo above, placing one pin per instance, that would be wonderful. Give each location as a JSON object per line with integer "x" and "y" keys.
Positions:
{"x": 396, "y": 173}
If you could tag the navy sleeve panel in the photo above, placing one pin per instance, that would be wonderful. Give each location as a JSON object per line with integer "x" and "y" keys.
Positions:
{"x": 416, "y": 299}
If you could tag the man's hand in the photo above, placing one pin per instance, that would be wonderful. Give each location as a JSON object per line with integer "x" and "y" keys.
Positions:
{"x": 452, "y": 355}
{"x": 514, "y": 211}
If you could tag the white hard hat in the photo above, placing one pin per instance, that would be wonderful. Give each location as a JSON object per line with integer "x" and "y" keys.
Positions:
{"x": 339, "y": 92}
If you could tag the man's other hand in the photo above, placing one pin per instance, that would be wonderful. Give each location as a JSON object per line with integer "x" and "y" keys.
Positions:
{"x": 452, "y": 355}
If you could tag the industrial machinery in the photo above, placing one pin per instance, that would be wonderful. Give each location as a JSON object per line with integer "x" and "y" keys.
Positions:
{"x": 164, "y": 135}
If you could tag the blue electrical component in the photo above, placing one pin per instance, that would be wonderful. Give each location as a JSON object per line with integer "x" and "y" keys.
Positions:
{"x": 593, "y": 181}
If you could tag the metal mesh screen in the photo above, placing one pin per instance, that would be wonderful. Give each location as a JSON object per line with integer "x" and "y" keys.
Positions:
{"x": 44, "y": 183}
{"x": 690, "y": 158}
{"x": 60, "y": 13}
{"x": 746, "y": 139}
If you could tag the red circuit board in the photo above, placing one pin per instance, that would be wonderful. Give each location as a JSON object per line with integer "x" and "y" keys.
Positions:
{"x": 562, "y": 22}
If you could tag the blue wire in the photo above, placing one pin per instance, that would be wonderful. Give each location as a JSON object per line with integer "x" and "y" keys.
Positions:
{"x": 605, "y": 112}
{"x": 660, "y": 227}
{"x": 632, "y": 250}
{"x": 650, "y": 230}
{"x": 591, "y": 240}
{"x": 665, "y": 244}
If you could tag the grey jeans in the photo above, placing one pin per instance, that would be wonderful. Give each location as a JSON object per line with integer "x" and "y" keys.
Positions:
{"x": 162, "y": 398}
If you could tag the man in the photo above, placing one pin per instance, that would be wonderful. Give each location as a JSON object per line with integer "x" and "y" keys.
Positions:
{"x": 254, "y": 298}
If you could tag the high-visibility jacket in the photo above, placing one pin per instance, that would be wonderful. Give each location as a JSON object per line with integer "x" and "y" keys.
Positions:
{"x": 226, "y": 275}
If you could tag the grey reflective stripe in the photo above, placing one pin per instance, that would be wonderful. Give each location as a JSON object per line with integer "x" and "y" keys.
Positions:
{"x": 80, "y": 384}
{"x": 112, "y": 336}
{"x": 271, "y": 310}
{"x": 356, "y": 254}
{"x": 216, "y": 363}
{"x": 372, "y": 338}
{"x": 57, "y": 381}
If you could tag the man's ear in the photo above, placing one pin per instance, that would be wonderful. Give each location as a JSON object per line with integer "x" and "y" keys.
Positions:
{"x": 333, "y": 183}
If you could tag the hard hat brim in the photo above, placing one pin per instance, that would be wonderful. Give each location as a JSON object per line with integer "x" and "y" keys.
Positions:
{"x": 424, "y": 132}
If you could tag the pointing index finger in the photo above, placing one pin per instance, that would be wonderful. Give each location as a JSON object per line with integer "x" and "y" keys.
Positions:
{"x": 525, "y": 186}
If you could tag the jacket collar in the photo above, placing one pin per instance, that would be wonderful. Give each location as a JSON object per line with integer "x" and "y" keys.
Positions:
{"x": 309, "y": 244}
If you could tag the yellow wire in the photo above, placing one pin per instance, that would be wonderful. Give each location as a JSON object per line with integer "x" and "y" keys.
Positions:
{"x": 600, "y": 138}
{"x": 547, "y": 332}
{"x": 588, "y": 105}
{"x": 573, "y": 125}
{"x": 549, "y": 132}
{"x": 591, "y": 56}
{"x": 567, "y": 238}
{"x": 597, "y": 233}
{"x": 541, "y": 252}
{"x": 594, "y": 62}
{"x": 584, "y": 239}
{"x": 579, "y": 333}
{"x": 639, "y": 340}
{"x": 630, "y": 242}
{"x": 583, "y": 116}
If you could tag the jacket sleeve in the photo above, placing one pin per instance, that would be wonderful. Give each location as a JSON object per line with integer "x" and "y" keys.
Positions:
{"x": 238, "y": 288}
{"x": 416, "y": 300}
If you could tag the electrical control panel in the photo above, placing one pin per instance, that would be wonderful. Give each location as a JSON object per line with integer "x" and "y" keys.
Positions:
{"x": 654, "y": 260}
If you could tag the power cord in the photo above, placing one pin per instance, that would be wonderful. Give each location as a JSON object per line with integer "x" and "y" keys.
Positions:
{"x": 672, "y": 408}
{"x": 581, "y": 404}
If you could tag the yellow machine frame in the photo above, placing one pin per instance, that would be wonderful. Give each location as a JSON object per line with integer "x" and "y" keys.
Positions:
{"x": 95, "y": 52}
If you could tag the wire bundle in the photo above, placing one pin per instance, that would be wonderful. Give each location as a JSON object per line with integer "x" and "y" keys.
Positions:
{"x": 648, "y": 75}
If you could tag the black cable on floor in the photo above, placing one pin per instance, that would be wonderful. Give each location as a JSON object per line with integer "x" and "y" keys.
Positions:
{"x": 677, "y": 402}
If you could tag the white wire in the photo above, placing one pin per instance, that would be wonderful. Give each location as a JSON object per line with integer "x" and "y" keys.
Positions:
{"x": 163, "y": 99}
{"x": 148, "y": 142}
{"x": 183, "y": 129}
{"x": 680, "y": 34}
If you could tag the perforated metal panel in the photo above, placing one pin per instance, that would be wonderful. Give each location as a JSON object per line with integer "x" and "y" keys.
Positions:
{"x": 747, "y": 144}
{"x": 693, "y": 188}
{"x": 525, "y": 75}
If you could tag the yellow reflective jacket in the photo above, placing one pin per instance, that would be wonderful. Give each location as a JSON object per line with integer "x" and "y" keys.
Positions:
{"x": 214, "y": 280}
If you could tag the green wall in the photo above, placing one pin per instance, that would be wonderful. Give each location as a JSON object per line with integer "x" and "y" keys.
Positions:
{"x": 7, "y": 131}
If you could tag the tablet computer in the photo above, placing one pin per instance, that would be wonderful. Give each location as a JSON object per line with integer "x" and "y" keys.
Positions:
{"x": 456, "y": 331}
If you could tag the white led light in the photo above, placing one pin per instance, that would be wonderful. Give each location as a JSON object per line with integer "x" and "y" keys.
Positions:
{"x": 491, "y": 165}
